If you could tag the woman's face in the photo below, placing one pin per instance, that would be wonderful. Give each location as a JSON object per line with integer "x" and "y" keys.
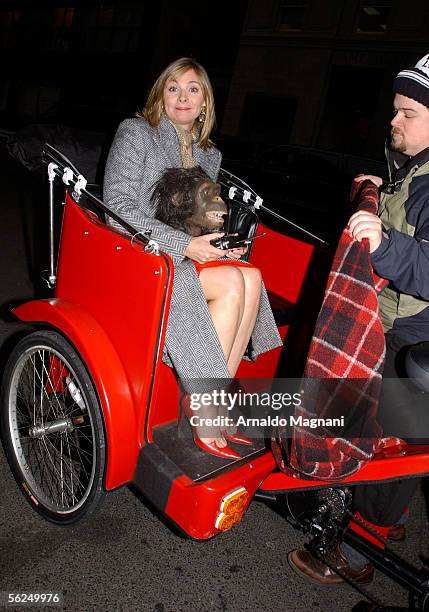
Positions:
{"x": 183, "y": 98}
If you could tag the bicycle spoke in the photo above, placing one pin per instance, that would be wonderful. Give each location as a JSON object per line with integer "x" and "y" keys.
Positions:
{"x": 52, "y": 435}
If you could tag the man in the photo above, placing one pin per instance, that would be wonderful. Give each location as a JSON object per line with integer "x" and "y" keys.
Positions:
{"x": 399, "y": 245}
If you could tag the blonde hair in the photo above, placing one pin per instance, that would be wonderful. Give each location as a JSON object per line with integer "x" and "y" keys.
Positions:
{"x": 153, "y": 110}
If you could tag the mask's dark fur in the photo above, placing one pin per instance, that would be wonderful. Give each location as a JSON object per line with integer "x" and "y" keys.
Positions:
{"x": 180, "y": 184}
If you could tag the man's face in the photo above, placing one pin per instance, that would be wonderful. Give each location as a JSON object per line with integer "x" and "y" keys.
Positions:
{"x": 209, "y": 209}
{"x": 410, "y": 126}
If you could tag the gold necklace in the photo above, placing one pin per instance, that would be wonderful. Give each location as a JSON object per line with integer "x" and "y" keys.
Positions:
{"x": 186, "y": 139}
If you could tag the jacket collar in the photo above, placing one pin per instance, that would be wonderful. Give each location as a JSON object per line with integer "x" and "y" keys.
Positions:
{"x": 400, "y": 166}
{"x": 166, "y": 138}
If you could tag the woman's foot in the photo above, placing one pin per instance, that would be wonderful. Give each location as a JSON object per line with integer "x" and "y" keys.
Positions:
{"x": 214, "y": 449}
{"x": 203, "y": 434}
{"x": 235, "y": 435}
{"x": 231, "y": 432}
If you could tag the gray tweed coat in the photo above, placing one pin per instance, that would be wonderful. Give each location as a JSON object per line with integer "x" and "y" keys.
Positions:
{"x": 137, "y": 159}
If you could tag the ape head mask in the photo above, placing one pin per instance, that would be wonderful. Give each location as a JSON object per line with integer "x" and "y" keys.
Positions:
{"x": 188, "y": 200}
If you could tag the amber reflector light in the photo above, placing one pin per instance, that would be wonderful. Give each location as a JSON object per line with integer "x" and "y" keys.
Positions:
{"x": 232, "y": 509}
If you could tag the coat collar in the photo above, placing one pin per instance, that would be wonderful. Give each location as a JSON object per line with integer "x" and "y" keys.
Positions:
{"x": 166, "y": 138}
{"x": 400, "y": 166}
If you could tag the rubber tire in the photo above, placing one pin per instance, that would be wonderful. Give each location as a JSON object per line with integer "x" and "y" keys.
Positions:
{"x": 53, "y": 340}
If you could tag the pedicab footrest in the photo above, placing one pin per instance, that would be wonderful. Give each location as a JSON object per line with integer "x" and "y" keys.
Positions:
{"x": 179, "y": 446}
{"x": 173, "y": 454}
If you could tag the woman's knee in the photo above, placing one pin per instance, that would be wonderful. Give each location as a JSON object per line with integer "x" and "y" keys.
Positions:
{"x": 233, "y": 281}
{"x": 224, "y": 281}
{"x": 252, "y": 280}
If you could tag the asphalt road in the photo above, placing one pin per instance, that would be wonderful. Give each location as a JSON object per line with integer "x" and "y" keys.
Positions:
{"x": 125, "y": 557}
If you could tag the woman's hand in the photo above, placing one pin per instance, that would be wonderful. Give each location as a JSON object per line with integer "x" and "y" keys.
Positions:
{"x": 366, "y": 225}
{"x": 236, "y": 253}
{"x": 377, "y": 180}
{"x": 199, "y": 248}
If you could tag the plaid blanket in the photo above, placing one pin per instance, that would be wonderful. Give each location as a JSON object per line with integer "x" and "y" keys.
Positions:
{"x": 343, "y": 373}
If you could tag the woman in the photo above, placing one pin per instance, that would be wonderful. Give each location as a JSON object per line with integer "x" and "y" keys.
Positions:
{"x": 214, "y": 311}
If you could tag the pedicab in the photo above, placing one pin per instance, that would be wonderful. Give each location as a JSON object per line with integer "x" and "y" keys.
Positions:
{"x": 88, "y": 405}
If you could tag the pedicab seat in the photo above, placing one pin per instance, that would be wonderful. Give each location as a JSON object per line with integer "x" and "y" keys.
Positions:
{"x": 417, "y": 365}
{"x": 284, "y": 310}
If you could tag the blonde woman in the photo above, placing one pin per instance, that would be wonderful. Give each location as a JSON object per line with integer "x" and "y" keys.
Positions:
{"x": 214, "y": 311}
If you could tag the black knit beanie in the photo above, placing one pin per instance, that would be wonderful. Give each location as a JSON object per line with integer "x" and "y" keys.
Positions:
{"x": 414, "y": 82}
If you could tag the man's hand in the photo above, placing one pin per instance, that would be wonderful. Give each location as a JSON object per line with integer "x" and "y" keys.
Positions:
{"x": 377, "y": 180}
{"x": 199, "y": 249}
{"x": 366, "y": 225}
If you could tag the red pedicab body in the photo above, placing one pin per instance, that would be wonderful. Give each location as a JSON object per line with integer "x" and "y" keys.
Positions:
{"x": 111, "y": 302}
{"x": 89, "y": 394}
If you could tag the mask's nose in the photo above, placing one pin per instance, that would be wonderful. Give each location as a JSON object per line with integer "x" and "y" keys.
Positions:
{"x": 216, "y": 190}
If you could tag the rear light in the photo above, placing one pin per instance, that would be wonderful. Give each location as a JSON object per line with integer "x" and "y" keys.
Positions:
{"x": 232, "y": 509}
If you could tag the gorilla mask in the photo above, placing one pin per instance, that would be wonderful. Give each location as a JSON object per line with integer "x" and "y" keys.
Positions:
{"x": 188, "y": 200}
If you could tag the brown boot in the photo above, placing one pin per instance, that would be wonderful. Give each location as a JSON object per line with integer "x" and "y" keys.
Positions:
{"x": 303, "y": 563}
{"x": 397, "y": 533}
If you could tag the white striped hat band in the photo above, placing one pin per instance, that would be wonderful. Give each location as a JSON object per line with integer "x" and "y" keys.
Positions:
{"x": 414, "y": 82}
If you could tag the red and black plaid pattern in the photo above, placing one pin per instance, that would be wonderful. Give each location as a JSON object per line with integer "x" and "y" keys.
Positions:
{"x": 344, "y": 367}
{"x": 364, "y": 196}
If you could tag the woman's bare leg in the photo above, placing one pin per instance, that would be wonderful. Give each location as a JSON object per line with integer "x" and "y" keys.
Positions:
{"x": 252, "y": 295}
{"x": 233, "y": 324}
{"x": 224, "y": 289}
{"x": 253, "y": 284}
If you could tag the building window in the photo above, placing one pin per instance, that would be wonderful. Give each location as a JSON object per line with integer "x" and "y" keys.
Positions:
{"x": 292, "y": 14}
{"x": 114, "y": 28}
{"x": 374, "y": 16}
{"x": 8, "y": 20}
{"x": 62, "y": 24}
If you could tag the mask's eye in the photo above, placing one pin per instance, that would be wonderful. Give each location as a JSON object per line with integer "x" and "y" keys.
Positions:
{"x": 206, "y": 192}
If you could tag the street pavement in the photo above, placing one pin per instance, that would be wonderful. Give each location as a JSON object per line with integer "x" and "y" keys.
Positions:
{"x": 124, "y": 557}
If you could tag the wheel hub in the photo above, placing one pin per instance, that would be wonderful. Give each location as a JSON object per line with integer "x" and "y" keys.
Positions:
{"x": 50, "y": 427}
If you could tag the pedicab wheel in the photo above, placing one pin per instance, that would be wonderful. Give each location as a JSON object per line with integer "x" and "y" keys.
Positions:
{"x": 52, "y": 428}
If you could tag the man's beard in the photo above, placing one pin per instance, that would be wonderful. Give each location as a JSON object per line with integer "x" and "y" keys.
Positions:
{"x": 397, "y": 144}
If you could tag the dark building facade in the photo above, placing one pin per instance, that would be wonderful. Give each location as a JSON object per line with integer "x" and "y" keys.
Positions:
{"x": 308, "y": 72}
{"x": 319, "y": 73}
{"x": 91, "y": 62}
